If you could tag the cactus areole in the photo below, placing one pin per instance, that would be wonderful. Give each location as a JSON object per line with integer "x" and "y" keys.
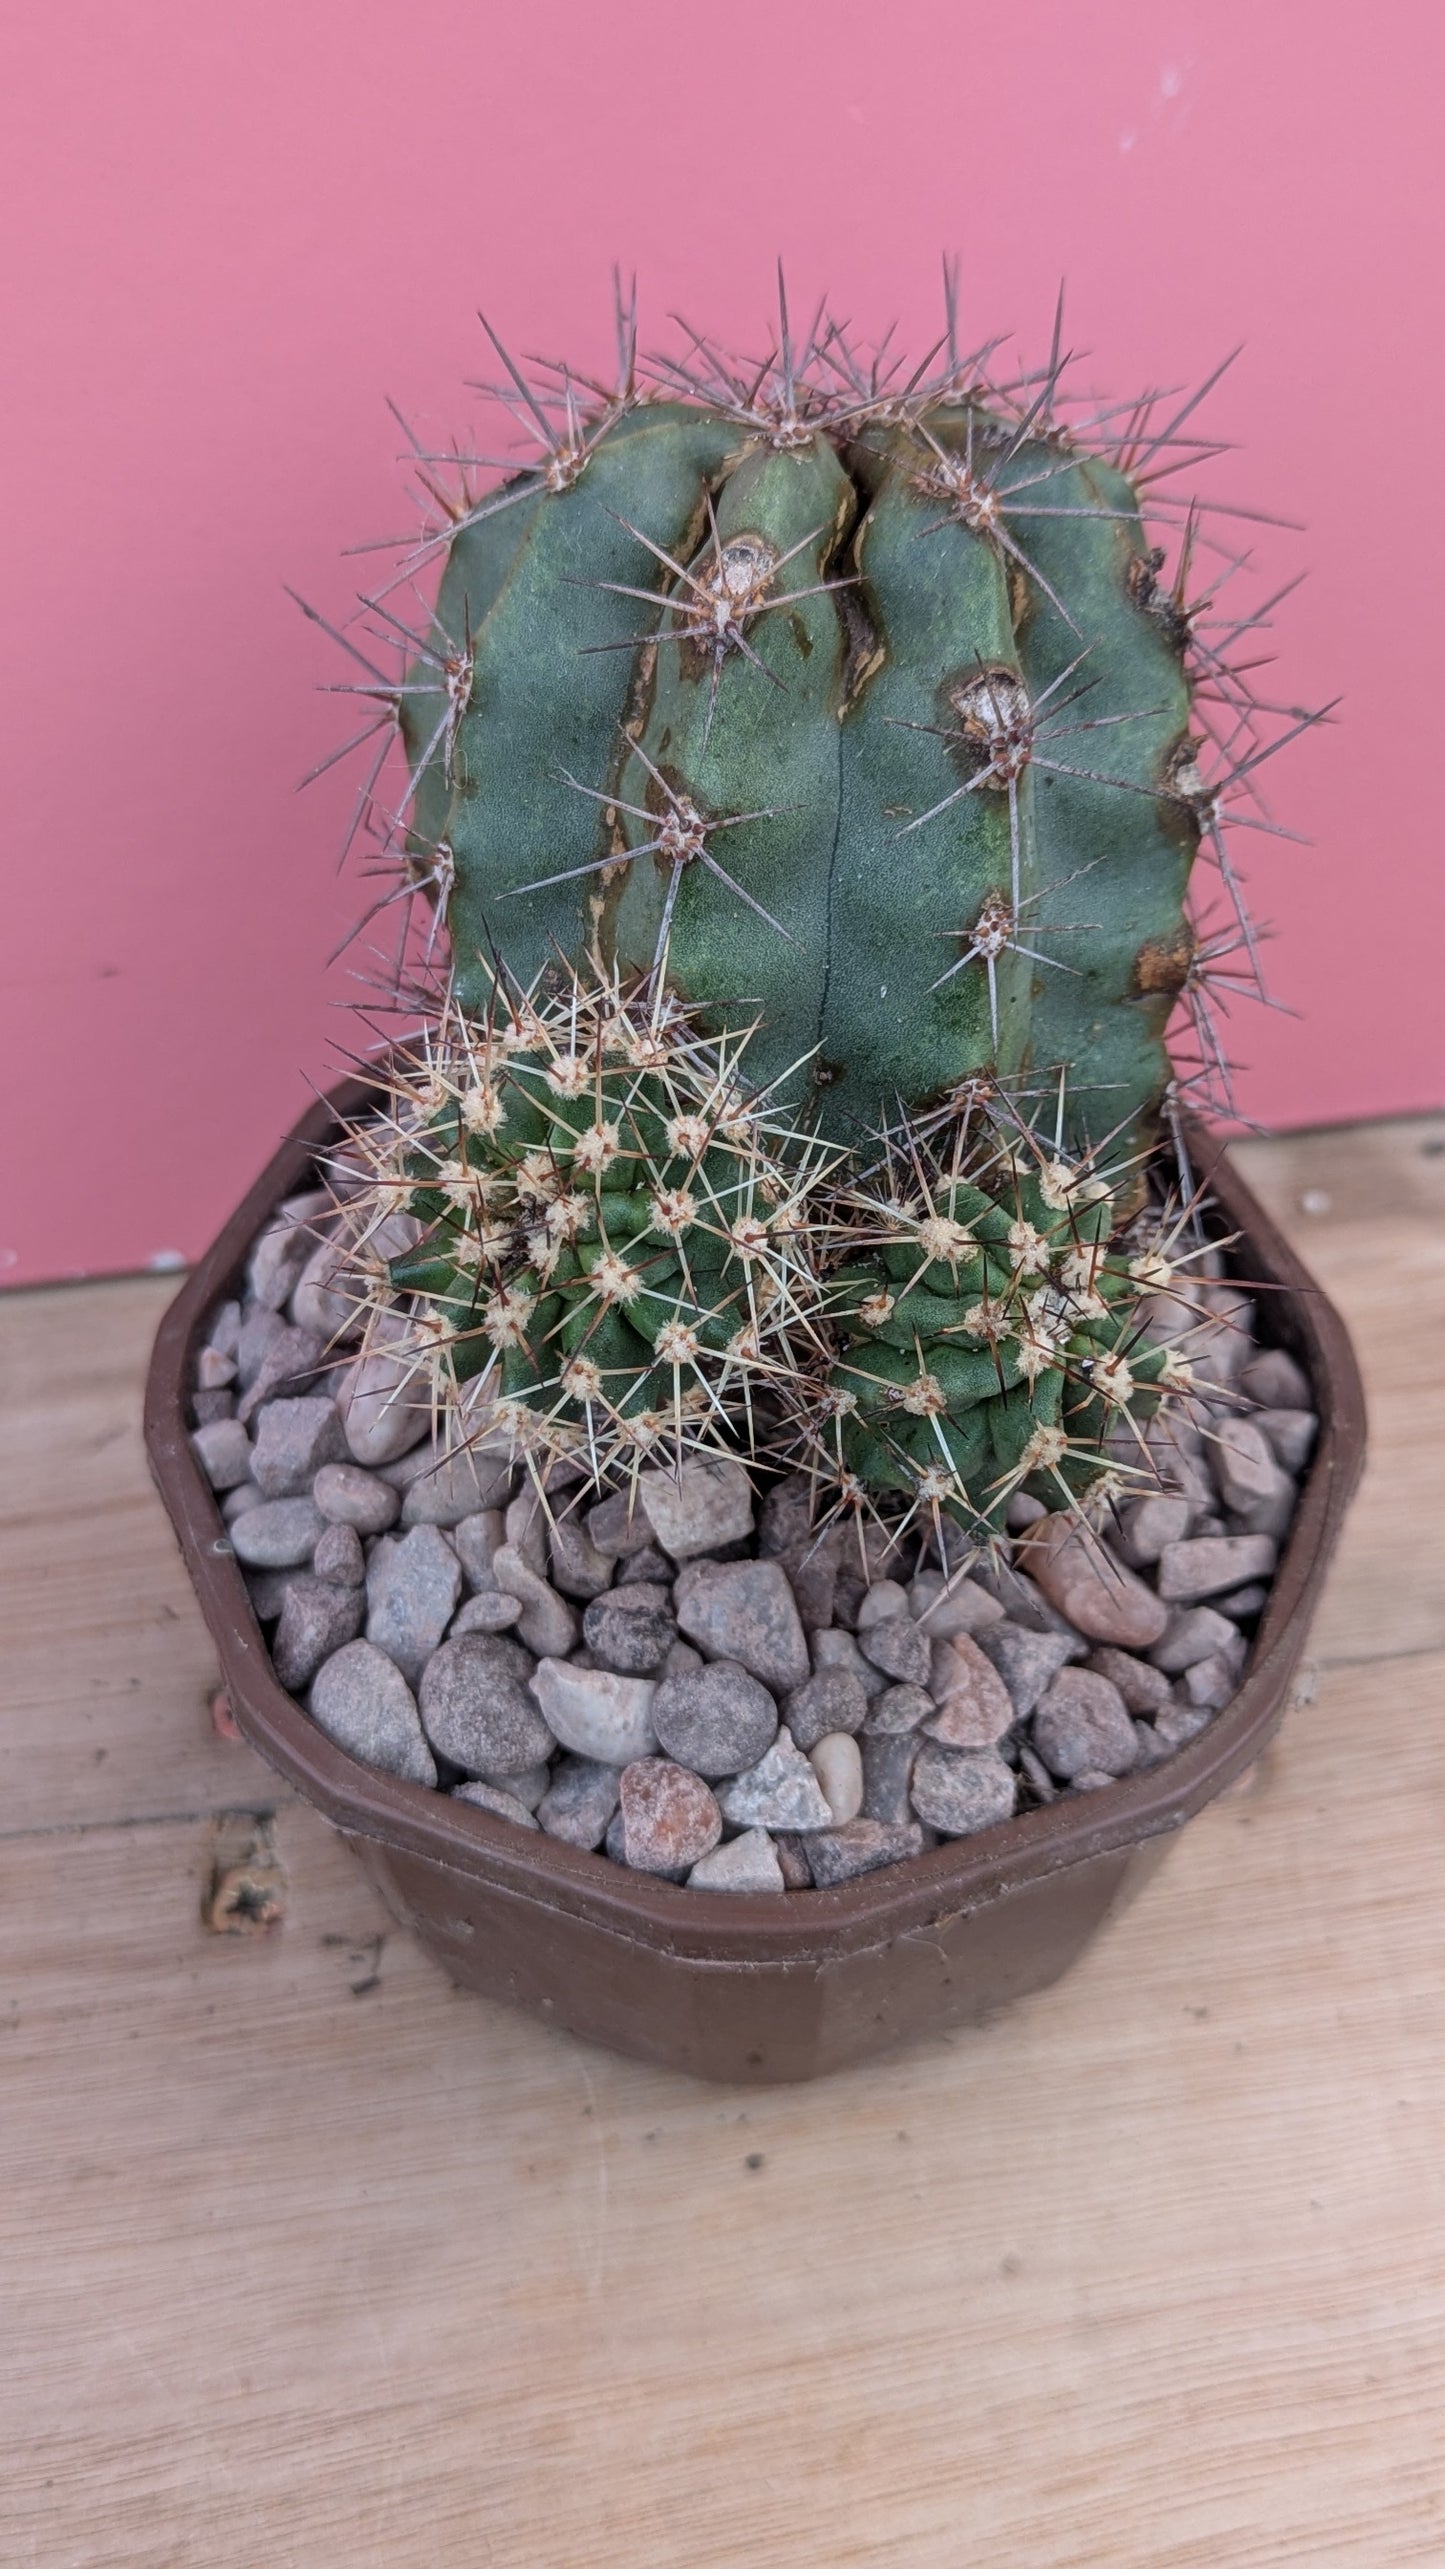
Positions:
{"x": 806, "y": 763}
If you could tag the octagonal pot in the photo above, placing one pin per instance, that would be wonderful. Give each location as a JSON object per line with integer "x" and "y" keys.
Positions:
{"x": 757, "y": 1987}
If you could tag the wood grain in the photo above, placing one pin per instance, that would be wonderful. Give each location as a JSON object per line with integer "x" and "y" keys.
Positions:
{"x": 309, "y": 2259}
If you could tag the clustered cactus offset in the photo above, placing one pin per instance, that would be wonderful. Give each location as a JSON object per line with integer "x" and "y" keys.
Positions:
{"x": 807, "y": 762}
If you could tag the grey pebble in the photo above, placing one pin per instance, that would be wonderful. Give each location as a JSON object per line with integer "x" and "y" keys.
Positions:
{"x": 832, "y": 1700}
{"x": 1207, "y": 1563}
{"x": 476, "y": 1541}
{"x": 214, "y": 1372}
{"x": 1275, "y": 1379}
{"x": 717, "y": 1722}
{"x": 744, "y": 1610}
{"x": 578, "y": 1568}
{"x": 453, "y": 1486}
{"x": 945, "y": 1607}
{"x": 1214, "y": 1682}
{"x": 899, "y": 1646}
{"x": 1142, "y": 1687}
{"x": 223, "y": 1450}
{"x": 1242, "y": 1603}
{"x": 838, "y": 1649}
{"x": 633, "y": 1638}
{"x": 294, "y": 1439}
{"x": 1081, "y": 1725}
{"x": 277, "y": 1535}
{"x": 223, "y": 1335}
{"x": 1036, "y": 1775}
{"x": 487, "y": 1611}
{"x": 619, "y": 1524}
{"x": 548, "y": 1624}
{"x": 361, "y": 1700}
{"x": 317, "y": 1618}
{"x": 888, "y": 1763}
{"x": 412, "y": 1585}
{"x": 580, "y": 1800}
{"x": 491, "y": 1797}
{"x": 649, "y": 1565}
{"x": 898, "y": 1710}
{"x": 529, "y": 1788}
{"x": 595, "y": 1713}
{"x": 208, "y": 1408}
{"x": 477, "y": 1708}
{"x": 347, "y": 1495}
{"x": 1150, "y": 1523}
{"x": 289, "y": 1365}
{"x": 340, "y": 1558}
{"x": 235, "y": 1502}
{"x": 779, "y": 1792}
{"x": 810, "y": 1556}
{"x": 682, "y": 1660}
{"x": 962, "y": 1790}
{"x": 700, "y": 1507}
{"x": 1177, "y": 1724}
{"x": 860, "y": 1846}
{"x": 1026, "y": 1661}
{"x": 1291, "y": 1434}
{"x": 746, "y": 1863}
{"x": 1195, "y": 1633}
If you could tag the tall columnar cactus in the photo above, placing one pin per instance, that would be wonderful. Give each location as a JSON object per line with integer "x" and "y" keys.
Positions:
{"x": 853, "y": 717}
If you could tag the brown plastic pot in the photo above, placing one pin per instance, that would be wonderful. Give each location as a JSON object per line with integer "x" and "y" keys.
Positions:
{"x": 763, "y": 1987}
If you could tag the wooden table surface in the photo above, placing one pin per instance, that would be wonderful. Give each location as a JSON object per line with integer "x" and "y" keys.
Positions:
{"x": 309, "y": 2259}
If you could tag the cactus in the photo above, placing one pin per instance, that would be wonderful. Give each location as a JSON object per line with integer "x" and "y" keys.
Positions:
{"x": 854, "y": 720}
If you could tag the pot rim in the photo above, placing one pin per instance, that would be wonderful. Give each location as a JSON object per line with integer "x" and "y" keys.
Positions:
{"x": 784, "y": 1929}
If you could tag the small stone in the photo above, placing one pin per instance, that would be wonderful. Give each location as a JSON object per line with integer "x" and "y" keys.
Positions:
{"x": 959, "y": 1790}
{"x": 1026, "y": 1661}
{"x": 529, "y": 1788}
{"x": 454, "y": 1487}
{"x": 1220, "y": 1356}
{"x": 838, "y": 1649}
{"x": 1246, "y": 1474}
{"x": 1092, "y": 1779}
{"x": 1097, "y": 1594}
{"x": 347, "y": 1495}
{"x": 294, "y": 1439}
{"x": 719, "y": 1722}
{"x": 975, "y": 1707}
{"x": 748, "y": 1863}
{"x": 1276, "y": 1380}
{"x": 841, "y": 1855}
{"x": 1152, "y": 1749}
{"x": 209, "y": 1407}
{"x": 700, "y": 1507}
{"x": 284, "y": 1248}
{"x": 289, "y": 1365}
{"x": 648, "y": 1565}
{"x": 526, "y": 1522}
{"x": 1214, "y": 1682}
{"x": 384, "y": 1396}
{"x": 833, "y": 1700}
{"x": 633, "y": 1638}
{"x": 848, "y": 1595}
{"x": 1242, "y": 1604}
{"x": 620, "y": 1524}
{"x": 948, "y": 1606}
{"x": 838, "y": 1764}
{"x": 1177, "y": 1724}
{"x": 614, "y": 1844}
{"x": 1022, "y": 1512}
{"x": 224, "y": 1334}
{"x": 1081, "y": 1725}
{"x": 547, "y": 1623}
{"x": 670, "y": 1819}
{"x": 809, "y": 1554}
{"x": 744, "y": 1610}
{"x": 214, "y": 1372}
{"x": 362, "y": 1701}
{"x": 339, "y": 1557}
{"x": 487, "y": 1611}
{"x": 682, "y": 1660}
{"x": 900, "y": 1647}
{"x": 235, "y": 1503}
{"x": 1291, "y": 1435}
{"x": 1207, "y": 1563}
{"x": 223, "y": 1450}
{"x": 268, "y": 1591}
{"x": 580, "y": 1801}
{"x": 1149, "y": 1524}
{"x": 881, "y": 1603}
{"x": 578, "y": 1568}
{"x": 477, "y": 1707}
{"x": 793, "y": 1862}
{"x": 779, "y": 1792}
{"x": 258, "y": 1333}
{"x": 1193, "y": 1635}
{"x": 412, "y": 1585}
{"x": 896, "y": 1712}
{"x": 1142, "y": 1687}
{"x": 1023, "y": 1602}
{"x": 888, "y": 1762}
{"x": 490, "y": 1797}
{"x": 1036, "y": 1775}
{"x": 327, "y": 1298}
{"x": 595, "y": 1713}
{"x": 476, "y": 1541}
{"x": 316, "y": 1620}
{"x": 277, "y": 1535}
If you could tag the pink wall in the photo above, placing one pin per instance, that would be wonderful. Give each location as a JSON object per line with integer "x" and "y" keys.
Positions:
{"x": 235, "y": 227}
